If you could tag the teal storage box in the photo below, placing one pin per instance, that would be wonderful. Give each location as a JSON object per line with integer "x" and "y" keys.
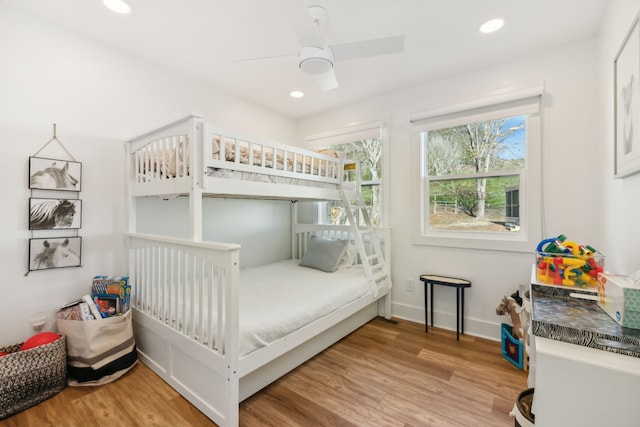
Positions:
{"x": 619, "y": 297}
{"x": 512, "y": 348}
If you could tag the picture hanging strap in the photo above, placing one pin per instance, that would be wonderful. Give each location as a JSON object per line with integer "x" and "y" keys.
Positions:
{"x": 58, "y": 141}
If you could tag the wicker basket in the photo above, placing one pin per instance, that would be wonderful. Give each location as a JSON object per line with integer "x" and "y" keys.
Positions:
{"x": 28, "y": 377}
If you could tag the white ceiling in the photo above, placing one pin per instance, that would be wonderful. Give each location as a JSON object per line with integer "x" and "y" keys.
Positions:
{"x": 205, "y": 39}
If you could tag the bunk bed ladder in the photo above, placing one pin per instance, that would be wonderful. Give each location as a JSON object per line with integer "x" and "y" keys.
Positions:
{"x": 373, "y": 260}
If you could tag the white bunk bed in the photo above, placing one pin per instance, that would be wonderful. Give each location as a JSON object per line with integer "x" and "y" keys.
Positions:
{"x": 187, "y": 155}
{"x": 214, "y": 331}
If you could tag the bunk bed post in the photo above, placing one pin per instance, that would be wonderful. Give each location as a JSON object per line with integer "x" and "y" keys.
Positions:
{"x": 384, "y": 304}
{"x": 231, "y": 338}
{"x": 206, "y": 150}
{"x": 196, "y": 136}
{"x": 294, "y": 228}
{"x": 130, "y": 200}
{"x": 195, "y": 214}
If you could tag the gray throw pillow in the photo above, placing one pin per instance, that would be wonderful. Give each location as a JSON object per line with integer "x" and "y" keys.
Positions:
{"x": 324, "y": 254}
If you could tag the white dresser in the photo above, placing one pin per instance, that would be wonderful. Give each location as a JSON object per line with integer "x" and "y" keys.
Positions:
{"x": 587, "y": 367}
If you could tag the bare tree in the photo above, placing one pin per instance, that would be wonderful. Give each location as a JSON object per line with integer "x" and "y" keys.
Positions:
{"x": 477, "y": 147}
{"x": 369, "y": 153}
{"x": 444, "y": 157}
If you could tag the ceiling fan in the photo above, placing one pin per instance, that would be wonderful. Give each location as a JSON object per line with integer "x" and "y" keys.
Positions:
{"x": 317, "y": 57}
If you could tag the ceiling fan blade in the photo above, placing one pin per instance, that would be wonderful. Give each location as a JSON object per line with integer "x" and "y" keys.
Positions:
{"x": 263, "y": 58}
{"x": 374, "y": 47}
{"x": 328, "y": 81}
{"x": 297, "y": 14}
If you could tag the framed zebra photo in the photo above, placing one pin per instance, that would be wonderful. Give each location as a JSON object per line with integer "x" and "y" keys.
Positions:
{"x": 54, "y": 214}
{"x": 54, "y": 174}
{"x": 57, "y": 252}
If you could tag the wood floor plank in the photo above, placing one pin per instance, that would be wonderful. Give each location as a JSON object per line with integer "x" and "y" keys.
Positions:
{"x": 439, "y": 394}
{"x": 390, "y": 355}
{"x": 336, "y": 379}
{"x": 346, "y": 402}
{"x": 485, "y": 375}
{"x": 383, "y": 374}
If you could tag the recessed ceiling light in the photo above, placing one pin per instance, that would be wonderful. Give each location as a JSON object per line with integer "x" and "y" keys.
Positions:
{"x": 118, "y": 6}
{"x": 492, "y": 25}
{"x": 296, "y": 94}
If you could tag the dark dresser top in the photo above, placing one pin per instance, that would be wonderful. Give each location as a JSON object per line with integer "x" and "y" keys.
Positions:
{"x": 557, "y": 315}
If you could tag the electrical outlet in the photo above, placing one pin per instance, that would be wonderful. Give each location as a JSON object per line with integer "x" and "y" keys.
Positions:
{"x": 38, "y": 322}
{"x": 409, "y": 284}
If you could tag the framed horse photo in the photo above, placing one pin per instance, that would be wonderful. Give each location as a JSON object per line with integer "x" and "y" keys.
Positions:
{"x": 627, "y": 105}
{"x": 48, "y": 253}
{"x": 55, "y": 214}
{"x": 54, "y": 174}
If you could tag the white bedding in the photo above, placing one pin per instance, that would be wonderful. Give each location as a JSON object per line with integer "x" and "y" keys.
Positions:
{"x": 279, "y": 298}
{"x": 274, "y": 179}
{"x": 299, "y": 162}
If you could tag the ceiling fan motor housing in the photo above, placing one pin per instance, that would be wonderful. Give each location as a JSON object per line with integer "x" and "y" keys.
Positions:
{"x": 316, "y": 61}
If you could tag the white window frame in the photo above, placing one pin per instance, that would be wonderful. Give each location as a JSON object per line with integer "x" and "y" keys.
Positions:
{"x": 353, "y": 133}
{"x": 515, "y": 103}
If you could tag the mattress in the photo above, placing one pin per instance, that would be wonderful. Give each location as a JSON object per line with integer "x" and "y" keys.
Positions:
{"x": 271, "y": 307}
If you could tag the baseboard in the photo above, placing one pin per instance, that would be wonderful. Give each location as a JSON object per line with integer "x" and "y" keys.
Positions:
{"x": 475, "y": 327}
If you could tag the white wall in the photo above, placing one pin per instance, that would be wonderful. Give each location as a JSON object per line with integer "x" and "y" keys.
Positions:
{"x": 98, "y": 97}
{"x": 56, "y": 75}
{"x": 261, "y": 227}
{"x": 571, "y": 138}
{"x": 620, "y": 198}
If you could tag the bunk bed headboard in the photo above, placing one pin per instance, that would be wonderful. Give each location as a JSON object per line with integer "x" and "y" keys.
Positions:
{"x": 165, "y": 160}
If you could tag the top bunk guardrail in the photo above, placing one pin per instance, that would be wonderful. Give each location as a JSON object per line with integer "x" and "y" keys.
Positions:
{"x": 256, "y": 156}
{"x": 188, "y": 154}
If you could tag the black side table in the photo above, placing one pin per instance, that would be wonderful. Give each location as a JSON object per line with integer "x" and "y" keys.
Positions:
{"x": 459, "y": 284}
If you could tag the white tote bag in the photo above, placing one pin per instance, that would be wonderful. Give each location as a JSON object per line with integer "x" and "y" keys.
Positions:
{"x": 98, "y": 351}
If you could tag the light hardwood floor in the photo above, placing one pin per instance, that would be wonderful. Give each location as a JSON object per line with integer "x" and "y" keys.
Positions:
{"x": 384, "y": 374}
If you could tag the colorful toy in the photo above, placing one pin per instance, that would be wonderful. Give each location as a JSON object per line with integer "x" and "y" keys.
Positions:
{"x": 113, "y": 289}
{"x": 552, "y": 245}
{"x": 39, "y": 339}
{"x": 563, "y": 262}
{"x": 106, "y": 306}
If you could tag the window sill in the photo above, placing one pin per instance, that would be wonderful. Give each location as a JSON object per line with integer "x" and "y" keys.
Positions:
{"x": 483, "y": 241}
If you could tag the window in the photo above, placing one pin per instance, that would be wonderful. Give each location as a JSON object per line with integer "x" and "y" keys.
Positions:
{"x": 364, "y": 145}
{"x": 469, "y": 169}
{"x": 480, "y": 175}
{"x": 368, "y": 153}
